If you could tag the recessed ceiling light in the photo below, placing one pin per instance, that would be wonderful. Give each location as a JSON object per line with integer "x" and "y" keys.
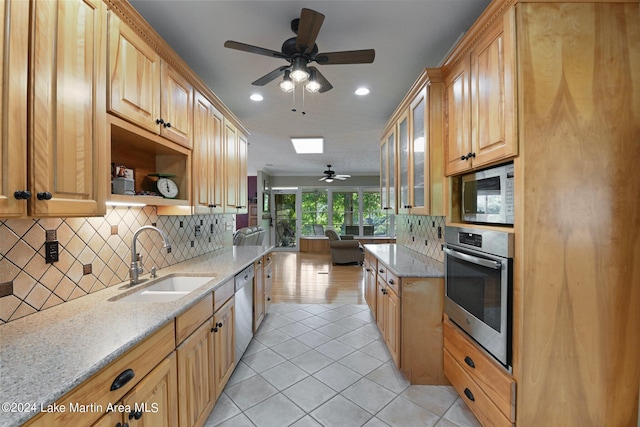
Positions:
{"x": 308, "y": 145}
{"x": 256, "y": 97}
{"x": 361, "y": 91}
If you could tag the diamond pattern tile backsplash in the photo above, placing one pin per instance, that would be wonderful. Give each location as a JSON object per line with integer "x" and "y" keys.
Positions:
{"x": 423, "y": 234}
{"x": 104, "y": 243}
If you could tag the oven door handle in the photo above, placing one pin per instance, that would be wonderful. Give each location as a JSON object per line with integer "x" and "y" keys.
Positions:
{"x": 497, "y": 265}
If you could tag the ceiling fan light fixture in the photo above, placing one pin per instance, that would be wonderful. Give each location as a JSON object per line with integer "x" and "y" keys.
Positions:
{"x": 299, "y": 72}
{"x": 286, "y": 84}
{"x": 328, "y": 180}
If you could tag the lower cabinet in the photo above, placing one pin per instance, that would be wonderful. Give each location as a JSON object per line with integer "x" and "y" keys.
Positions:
{"x": 268, "y": 281}
{"x": 195, "y": 376}
{"x": 258, "y": 294}
{"x": 485, "y": 386}
{"x": 408, "y": 312}
{"x": 224, "y": 345}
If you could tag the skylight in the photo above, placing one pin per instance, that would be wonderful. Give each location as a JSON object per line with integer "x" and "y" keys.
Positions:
{"x": 308, "y": 145}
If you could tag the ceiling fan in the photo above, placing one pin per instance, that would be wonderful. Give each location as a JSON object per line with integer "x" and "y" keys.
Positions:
{"x": 330, "y": 175}
{"x": 301, "y": 50}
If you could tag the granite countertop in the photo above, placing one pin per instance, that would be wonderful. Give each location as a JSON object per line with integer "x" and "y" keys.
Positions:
{"x": 45, "y": 355}
{"x": 404, "y": 262}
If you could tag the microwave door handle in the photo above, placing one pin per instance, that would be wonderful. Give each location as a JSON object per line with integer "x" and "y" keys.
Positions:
{"x": 496, "y": 265}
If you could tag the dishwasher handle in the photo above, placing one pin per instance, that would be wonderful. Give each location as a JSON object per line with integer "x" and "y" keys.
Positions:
{"x": 244, "y": 277}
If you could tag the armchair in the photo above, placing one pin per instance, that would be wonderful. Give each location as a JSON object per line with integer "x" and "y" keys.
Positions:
{"x": 344, "y": 251}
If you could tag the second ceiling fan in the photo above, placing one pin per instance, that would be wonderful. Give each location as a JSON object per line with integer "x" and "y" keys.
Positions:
{"x": 330, "y": 175}
{"x": 301, "y": 50}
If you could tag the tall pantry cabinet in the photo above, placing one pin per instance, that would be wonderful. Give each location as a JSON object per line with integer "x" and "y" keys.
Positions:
{"x": 572, "y": 71}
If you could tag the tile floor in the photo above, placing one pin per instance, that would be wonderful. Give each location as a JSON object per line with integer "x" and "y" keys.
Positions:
{"x": 326, "y": 365}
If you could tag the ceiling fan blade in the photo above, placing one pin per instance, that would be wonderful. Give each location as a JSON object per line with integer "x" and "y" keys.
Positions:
{"x": 324, "y": 83}
{"x": 323, "y": 178}
{"x": 253, "y": 49}
{"x": 271, "y": 76}
{"x": 365, "y": 56}
{"x": 343, "y": 176}
{"x": 308, "y": 29}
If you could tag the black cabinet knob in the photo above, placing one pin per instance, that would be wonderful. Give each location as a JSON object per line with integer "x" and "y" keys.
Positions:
{"x": 219, "y": 325}
{"x": 391, "y": 282}
{"x": 44, "y": 195}
{"x": 469, "y": 395}
{"x": 469, "y": 361}
{"x": 463, "y": 158}
{"x": 269, "y": 299}
{"x": 214, "y": 329}
{"x": 22, "y": 194}
{"x": 135, "y": 414}
{"x": 167, "y": 125}
{"x": 159, "y": 121}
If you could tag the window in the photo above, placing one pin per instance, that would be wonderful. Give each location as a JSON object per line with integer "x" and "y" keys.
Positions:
{"x": 315, "y": 210}
{"x": 349, "y": 210}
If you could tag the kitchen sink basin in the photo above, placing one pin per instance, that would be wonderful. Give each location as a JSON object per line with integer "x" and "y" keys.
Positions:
{"x": 166, "y": 289}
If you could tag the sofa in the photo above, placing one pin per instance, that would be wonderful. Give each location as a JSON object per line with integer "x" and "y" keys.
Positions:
{"x": 249, "y": 236}
{"x": 344, "y": 250}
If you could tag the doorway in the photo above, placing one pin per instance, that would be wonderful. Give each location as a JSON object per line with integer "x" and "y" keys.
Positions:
{"x": 284, "y": 211}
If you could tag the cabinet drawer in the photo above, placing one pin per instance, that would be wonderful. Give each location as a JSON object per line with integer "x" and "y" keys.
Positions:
{"x": 494, "y": 380}
{"x": 382, "y": 272}
{"x": 222, "y": 294}
{"x": 267, "y": 259}
{"x": 393, "y": 282}
{"x": 190, "y": 320}
{"x": 480, "y": 404}
{"x": 97, "y": 391}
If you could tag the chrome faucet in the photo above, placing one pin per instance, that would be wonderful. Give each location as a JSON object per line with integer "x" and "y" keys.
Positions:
{"x": 135, "y": 270}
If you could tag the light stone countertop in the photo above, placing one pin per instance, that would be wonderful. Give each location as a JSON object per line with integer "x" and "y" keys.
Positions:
{"x": 45, "y": 355}
{"x": 404, "y": 262}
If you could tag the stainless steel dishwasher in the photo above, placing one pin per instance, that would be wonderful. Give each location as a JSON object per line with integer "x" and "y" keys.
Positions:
{"x": 244, "y": 310}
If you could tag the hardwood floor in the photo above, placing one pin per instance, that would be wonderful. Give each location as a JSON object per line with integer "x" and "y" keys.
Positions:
{"x": 309, "y": 278}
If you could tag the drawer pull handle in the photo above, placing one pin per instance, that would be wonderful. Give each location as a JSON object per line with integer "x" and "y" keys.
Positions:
{"x": 391, "y": 282}
{"x": 469, "y": 361}
{"x": 122, "y": 379}
{"x": 469, "y": 395}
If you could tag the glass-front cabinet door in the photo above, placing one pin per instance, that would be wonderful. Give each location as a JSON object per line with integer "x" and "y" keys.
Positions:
{"x": 404, "y": 157}
{"x": 419, "y": 194}
{"x": 388, "y": 172}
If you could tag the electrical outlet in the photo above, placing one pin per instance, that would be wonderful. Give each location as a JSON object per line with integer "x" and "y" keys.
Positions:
{"x": 211, "y": 228}
{"x": 198, "y": 230}
{"x": 192, "y": 243}
{"x": 181, "y": 224}
{"x": 86, "y": 269}
{"x": 51, "y": 235}
{"x": 426, "y": 242}
{"x": 51, "y": 252}
{"x": 439, "y": 232}
{"x": 114, "y": 230}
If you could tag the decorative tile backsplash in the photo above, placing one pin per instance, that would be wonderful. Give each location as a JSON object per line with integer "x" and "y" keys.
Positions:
{"x": 423, "y": 234}
{"x": 101, "y": 245}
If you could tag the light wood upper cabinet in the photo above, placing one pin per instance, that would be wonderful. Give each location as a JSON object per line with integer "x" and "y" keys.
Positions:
{"x": 67, "y": 131}
{"x": 388, "y": 171}
{"x": 14, "y": 40}
{"x": 492, "y": 97}
{"x": 480, "y": 95}
{"x": 208, "y": 172}
{"x": 146, "y": 90}
{"x": 458, "y": 99}
{"x": 236, "y": 146}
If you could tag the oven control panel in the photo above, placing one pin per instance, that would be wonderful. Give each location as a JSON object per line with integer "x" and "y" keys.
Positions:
{"x": 470, "y": 239}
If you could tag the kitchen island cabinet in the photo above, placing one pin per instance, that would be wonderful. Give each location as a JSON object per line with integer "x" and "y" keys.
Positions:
{"x": 409, "y": 305}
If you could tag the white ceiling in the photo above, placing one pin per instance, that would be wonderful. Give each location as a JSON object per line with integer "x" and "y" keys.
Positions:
{"x": 407, "y": 36}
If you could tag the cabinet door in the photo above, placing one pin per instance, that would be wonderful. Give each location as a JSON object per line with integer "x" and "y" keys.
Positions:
{"x": 258, "y": 295}
{"x": 381, "y": 305}
{"x": 243, "y": 149}
{"x": 492, "y": 99}
{"x": 370, "y": 287}
{"x": 217, "y": 162}
{"x": 68, "y": 115}
{"x": 154, "y": 399}
{"x": 392, "y": 325}
{"x": 388, "y": 172}
{"x": 202, "y": 154}
{"x": 176, "y": 106}
{"x": 224, "y": 344}
{"x": 231, "y": 168}
{"x": 458, "y": 143}
{"x": 419, "y": 191}
{"x": 134, "y": 76}
{"x": 404, "y": 148}
{"x": 14, "y": 38}
{"x": 196, "y": 383}
{"x": 110, "y": 419}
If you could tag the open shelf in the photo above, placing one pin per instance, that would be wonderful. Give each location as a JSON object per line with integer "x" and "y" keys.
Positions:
{"x": 147, "y": 153}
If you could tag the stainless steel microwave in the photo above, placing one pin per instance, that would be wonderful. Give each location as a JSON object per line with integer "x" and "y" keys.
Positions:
{"x": 487, "y": 195}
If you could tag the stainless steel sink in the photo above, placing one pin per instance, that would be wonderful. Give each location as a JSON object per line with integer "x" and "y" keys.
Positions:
{"x": 166, "y": 289}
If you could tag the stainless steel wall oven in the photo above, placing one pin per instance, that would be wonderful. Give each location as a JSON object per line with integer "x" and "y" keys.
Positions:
{"x": 478, "y": 286}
